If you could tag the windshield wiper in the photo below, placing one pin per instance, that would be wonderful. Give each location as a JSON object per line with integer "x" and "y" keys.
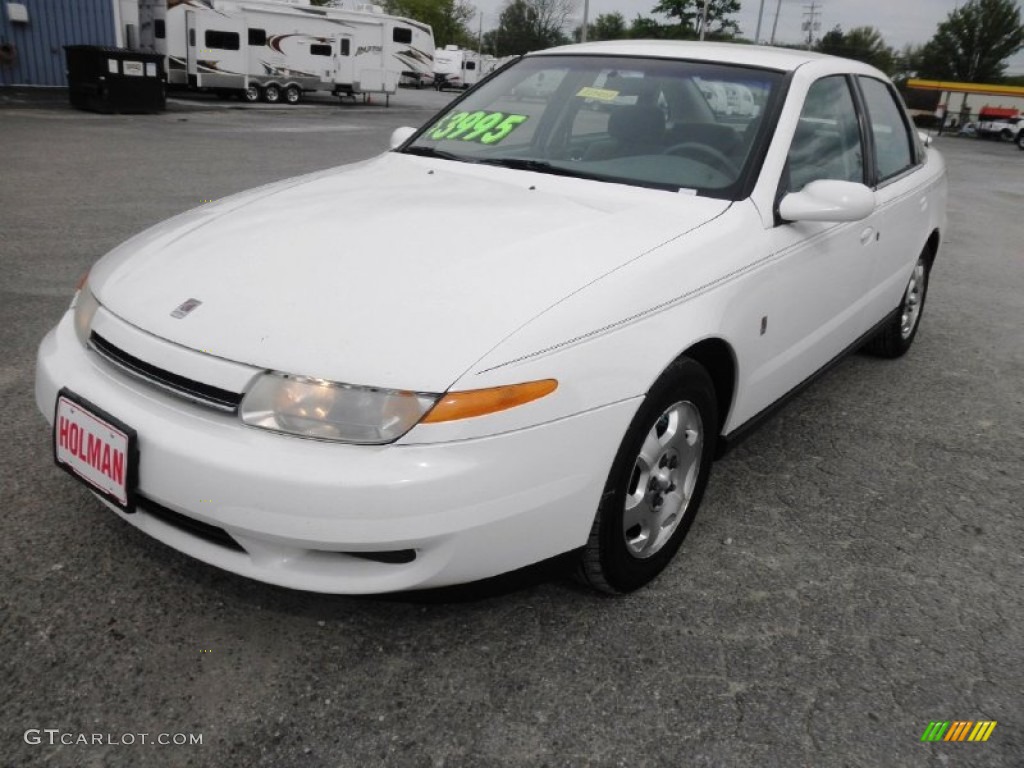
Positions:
{"x": 538, "y": 166}
{"x": 543, "y": 166}
{"x": 439, "y": 153}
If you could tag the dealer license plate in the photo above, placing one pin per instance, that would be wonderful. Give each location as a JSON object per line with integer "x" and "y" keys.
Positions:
{"x": 96, "y": 448}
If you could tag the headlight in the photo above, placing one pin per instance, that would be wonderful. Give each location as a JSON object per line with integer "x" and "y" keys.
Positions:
{"x": 85, "y": 306}
{"x": 328, "y": 411}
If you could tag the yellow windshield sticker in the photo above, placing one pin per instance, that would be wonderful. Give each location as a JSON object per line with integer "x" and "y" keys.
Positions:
{"x": 600, "y": 94}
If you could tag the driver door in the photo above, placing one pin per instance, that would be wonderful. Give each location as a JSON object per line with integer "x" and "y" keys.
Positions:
{"x": 821, "y": 271}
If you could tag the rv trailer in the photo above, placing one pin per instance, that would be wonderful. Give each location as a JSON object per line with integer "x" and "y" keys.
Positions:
{"x": 279, "y": 49}
{"x": 456, "y": 67}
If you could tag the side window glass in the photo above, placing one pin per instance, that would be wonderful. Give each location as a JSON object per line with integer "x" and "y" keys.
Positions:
{"x": 892, "y": 137}
{"x": 224, "y": 41}
{"x": 827, "y": 143}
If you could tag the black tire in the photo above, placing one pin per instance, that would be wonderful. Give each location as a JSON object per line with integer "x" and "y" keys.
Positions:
{"x": 251, "y": 94}
{"x": 895, "y": 338}
{"x": 292, "y": 94}
{"x": 616, "y": 559}
{"x": 1020, "y": 140}
{"x": 271, "y": 94}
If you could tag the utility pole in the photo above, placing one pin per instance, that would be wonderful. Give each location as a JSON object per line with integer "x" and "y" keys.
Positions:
{"x": 775, "y": 26}
{"x": 704, "y": 19}
{"x": 586, "y": 14}
{"x": 760, "y": 15}
{"x": 811, "y": 25}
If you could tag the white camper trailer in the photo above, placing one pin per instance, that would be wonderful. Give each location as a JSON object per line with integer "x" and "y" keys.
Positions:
{"x": 456, "y": 67}
{"x": 277, "y": 49}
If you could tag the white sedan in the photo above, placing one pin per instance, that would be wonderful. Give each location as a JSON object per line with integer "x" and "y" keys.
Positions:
{"x": 526, "y": 330}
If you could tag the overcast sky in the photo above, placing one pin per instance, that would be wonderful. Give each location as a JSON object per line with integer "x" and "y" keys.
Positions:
{"x": 901, "y": 21}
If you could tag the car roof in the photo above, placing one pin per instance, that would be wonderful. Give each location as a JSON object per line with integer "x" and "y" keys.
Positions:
{"x": 784, "y": 59}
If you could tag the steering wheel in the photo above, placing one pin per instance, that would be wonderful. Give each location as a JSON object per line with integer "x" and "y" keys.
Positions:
{"x": 702, "y": 153}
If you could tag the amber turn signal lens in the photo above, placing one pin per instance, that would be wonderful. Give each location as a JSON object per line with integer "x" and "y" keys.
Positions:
{"x": 480, "y": 402}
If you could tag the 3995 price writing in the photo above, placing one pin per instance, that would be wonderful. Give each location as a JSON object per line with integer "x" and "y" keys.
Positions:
{"x": 484, "y": 127}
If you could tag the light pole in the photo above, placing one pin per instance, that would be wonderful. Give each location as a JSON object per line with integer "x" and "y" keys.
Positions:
{"x": 775, "y": 26}
{"x": 704, "y": 19}
{"x": 760, "y": 15}
{"x": 586, "y": 13}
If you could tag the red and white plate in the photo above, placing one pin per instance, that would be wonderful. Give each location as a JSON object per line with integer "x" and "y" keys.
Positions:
{"x": 96, "y": 448}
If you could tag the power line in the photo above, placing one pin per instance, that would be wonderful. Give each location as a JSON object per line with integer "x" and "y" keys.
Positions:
{"x": 760, "y": 16}
{"x": 775, "y": 26}
{"x": 811, "y": 23}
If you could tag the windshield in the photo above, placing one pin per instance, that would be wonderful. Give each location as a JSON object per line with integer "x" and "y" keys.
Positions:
{"x": 650, "y": 122}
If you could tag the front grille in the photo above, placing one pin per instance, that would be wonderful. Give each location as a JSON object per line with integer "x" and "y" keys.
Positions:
{"x": 196, "y": 391}
{"x": 197, "y": 528}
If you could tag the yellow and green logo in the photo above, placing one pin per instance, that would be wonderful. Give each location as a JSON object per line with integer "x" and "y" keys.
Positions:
{"x": 958, "y": 730}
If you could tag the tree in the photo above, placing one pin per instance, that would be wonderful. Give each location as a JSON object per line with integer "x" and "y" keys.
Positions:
{"x": 607, "y": 26}
{"x": 861, "y": 43}
{"x": 529, "y": 25}
{"x": 646, "y": 28}
{"x": 691, "y": 13}
{"x": 974, "y": 42}
{"x": 907, "y": 63}
{"x": 448, "y": 18}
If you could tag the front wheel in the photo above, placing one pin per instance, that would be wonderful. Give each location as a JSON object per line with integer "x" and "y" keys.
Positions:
{"x": 656, "y": 482}
{"x": 251, "y": 94}
{"x": 895, "y": 338}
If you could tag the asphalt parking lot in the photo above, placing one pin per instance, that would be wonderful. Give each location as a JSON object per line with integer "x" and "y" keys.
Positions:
{"x": 857, "y": 570}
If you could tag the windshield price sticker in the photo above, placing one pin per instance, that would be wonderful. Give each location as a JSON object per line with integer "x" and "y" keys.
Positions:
{"x": 484, "y": 127}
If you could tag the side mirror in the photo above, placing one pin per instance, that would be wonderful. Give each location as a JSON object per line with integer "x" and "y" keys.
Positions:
{"x": 828, "y": 200}
{"x": 401, "y": 135}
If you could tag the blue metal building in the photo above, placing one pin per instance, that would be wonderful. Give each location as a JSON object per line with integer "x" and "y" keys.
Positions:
{"x": 33, "y": 34}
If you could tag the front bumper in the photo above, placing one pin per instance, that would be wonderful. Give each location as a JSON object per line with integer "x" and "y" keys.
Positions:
{"x": 298, "y": 509}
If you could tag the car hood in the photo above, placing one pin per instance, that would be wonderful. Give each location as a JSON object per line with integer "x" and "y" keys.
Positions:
{"x": 398, "y": 272}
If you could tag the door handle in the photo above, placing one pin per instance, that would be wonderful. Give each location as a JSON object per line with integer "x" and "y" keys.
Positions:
{"x": 867, "y": 235}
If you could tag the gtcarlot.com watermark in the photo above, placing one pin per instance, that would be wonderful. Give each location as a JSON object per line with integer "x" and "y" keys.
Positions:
{"x": 55, "y": 736}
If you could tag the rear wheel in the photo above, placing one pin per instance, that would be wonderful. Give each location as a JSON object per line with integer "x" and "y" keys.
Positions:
{"x": 656, "y": 482}
{"x": 293, "y": 94}
{"x": 895, "y": 338}
{"x": 272, "y": 94}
